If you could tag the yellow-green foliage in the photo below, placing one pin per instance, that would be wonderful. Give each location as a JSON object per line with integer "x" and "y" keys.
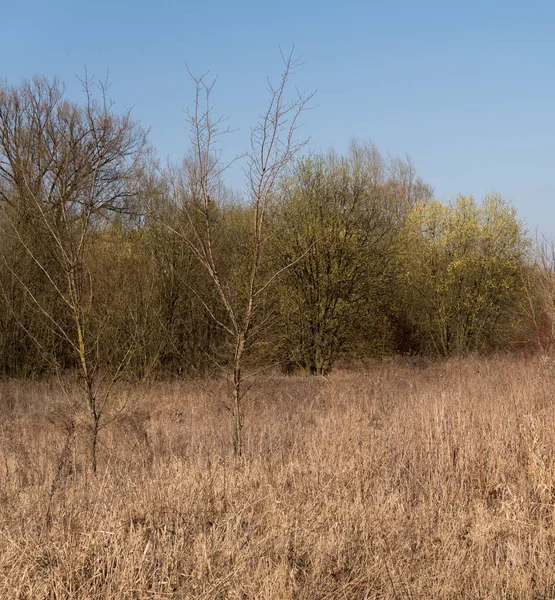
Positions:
{"x": 333, "y": 229}
{"x": 461, "y": 272}
{"x": 321, "y": 241}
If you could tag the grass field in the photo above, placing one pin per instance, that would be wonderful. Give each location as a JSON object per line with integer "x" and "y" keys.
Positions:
{"x": 398, "y": 481}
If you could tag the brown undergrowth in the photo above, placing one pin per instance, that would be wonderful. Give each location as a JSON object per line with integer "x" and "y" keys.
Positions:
{"x": 407, "y": 480}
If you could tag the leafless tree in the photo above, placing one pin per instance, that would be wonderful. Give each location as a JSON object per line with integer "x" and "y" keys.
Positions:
{"x": 273, "y": 145}
{"x": 65, "y": 169}
{"x": 538, "y": 280}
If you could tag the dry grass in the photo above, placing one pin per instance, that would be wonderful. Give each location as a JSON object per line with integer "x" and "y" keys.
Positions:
{"x": 400, "y": 482}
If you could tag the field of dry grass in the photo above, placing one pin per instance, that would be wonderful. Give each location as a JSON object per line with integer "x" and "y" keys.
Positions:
{"x": 402, "y": 481}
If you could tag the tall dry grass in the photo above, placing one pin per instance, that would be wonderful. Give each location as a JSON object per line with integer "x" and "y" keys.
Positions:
{"x": 399, "y": 482}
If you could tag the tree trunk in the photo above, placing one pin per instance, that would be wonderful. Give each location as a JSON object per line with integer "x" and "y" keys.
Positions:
{"x": 94, "y": 440}
{"x": 237, "y": 417}
{"x": 237, "y": 396}
{"x": 95, "y": 427}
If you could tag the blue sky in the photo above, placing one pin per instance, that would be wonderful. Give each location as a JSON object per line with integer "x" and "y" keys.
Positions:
{"x": 467, "y": 89}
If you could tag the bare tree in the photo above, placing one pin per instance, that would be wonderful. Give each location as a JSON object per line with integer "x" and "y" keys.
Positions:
{"x": 538, "y": 281}
{"x": 273, "y": 145}
{"x": 65, "y": 169}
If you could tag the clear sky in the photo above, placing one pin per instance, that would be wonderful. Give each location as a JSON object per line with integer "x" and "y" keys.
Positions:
{"x": 467, "y": 89}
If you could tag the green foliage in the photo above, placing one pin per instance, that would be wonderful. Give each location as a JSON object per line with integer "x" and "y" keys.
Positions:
{"x": 321, "y": 242}
{"x": 338, "y": 220}
{"x": 460, "y": 277}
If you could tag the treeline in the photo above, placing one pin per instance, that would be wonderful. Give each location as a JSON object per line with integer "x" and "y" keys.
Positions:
{"x": 108, "y": 261}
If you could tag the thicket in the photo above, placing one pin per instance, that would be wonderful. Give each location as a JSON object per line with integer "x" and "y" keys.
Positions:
{"x": 101, "y": 256}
